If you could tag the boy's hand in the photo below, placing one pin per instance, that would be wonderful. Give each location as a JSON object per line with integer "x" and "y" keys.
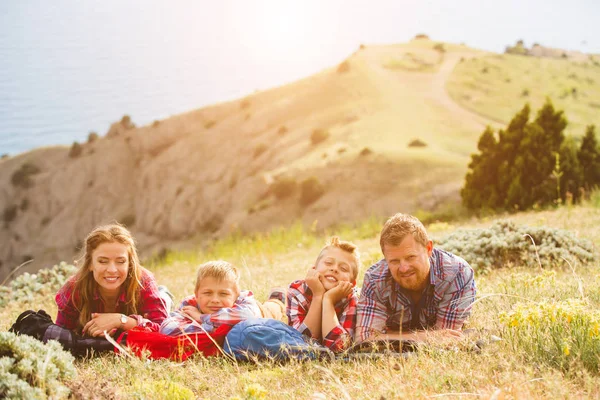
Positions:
{"x": 313, "y": 280}
{"x": 341, "y": 291}
{"x": 191, "y": 312}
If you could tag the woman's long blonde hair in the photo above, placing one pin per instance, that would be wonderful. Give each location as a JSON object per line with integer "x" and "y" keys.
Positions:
{"x": 85, "y": 285}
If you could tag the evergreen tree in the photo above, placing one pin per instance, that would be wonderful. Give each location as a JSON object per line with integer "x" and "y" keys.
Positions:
{"x": 571, "y": 178}
{"x": 480, "y": 182}
{"x": 589, "y": 159}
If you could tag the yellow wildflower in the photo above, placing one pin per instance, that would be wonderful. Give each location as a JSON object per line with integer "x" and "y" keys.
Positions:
{"x": 566, "y": 350}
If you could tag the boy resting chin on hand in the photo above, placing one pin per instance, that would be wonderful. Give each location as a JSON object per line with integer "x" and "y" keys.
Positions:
{"x": 323, "y": 305}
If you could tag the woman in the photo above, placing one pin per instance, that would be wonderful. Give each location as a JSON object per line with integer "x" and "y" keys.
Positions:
{"x": 111, "y": 291}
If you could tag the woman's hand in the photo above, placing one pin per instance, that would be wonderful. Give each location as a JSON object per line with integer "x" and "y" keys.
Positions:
{"x": 192, "y": 312}
{"x": 101, "y": 322}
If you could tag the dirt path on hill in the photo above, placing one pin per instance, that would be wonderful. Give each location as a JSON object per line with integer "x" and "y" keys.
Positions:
{"x": 432, "y": 86}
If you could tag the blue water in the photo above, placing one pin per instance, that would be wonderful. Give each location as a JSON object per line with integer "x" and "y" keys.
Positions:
{"x": 68, "y": 68}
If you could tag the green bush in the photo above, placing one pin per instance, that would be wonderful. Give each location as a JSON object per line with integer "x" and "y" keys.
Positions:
{"x": 343, "y": 67}
{"x": 10, "y": 213}
{"x": 421, "y": 36}
{"x": 244, "y": 104}
{"x": 126, "y": 122}
{"x": 440, "y": 47}
{"x": 365, "y": 152}
{"x": 92, "y": 137}
{"x": 506, "y": 244}
{"x": 76, "y": 150}
{"x": 22, "y": 176}
{"x": 282, "y": 130}
{"x": 30, "y": 369}
{"x": 25, "y": 287}
{"x": 210, "y": 124}
{"x": 310, "y": 191}
{"x": 318, "y": 136}
{"x": 417, "y": 143}
{"x": 283, "y": 187}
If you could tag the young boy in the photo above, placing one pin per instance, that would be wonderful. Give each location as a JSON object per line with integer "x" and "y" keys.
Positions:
{"x": 323, "y": 305}
{"x": 217, "y": 300}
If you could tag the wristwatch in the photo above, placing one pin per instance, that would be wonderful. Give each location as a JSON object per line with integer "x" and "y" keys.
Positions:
{"x": 123, "y": 321}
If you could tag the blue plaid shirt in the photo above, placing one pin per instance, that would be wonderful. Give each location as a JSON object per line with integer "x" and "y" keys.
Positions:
{"x": 446, "y": 302}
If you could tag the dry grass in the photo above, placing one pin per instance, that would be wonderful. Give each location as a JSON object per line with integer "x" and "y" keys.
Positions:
{"x": 501, "y": 370}
{"x": 497, "y": 86}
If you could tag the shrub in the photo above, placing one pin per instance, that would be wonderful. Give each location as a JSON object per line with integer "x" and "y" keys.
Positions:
{"x": 128, "y": 220}
{"x": 283, "y": 187}
{"x": 485, "y": 70}
{"x": 365, "y": 152}
{"x": 76, "y": 150}
{"x": 310, "y": 191}
{"x": 417, "y": 143}
{"x": 342, "y": 150}
{"x": 22, "y": 176}
{"x": 422, "y": 36}
{"x": 361, "y": 47}
{"x": 25, "y": 287}
{"x": 343, "y": 67}
{"x": 440, "y": 47}
{"x": 318, "y": 136}
{"x": 5, "y": 155}
{"x": 525, "y": 93}
{"x": 92, "y": 137}
{"x": 126, "y": 122}
{"x": 24, "y": 204}
{"x": 505, "y": 244}
{"x": 155, "y": 123}
{"x": 245, "y": 104}
{"x": 555, "y": 333}
{"x": 10, "y": 213}
{"x": 31, "y": 369}
{"x": 259, "y": 149}
{"x": 282, "y": 130}
{"x": 209, "y": 124}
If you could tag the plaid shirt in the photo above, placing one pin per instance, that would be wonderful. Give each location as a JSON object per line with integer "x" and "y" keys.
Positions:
{"x": 299, "y": 298}
{"x": 151, "y": 307}
{"x": 179, "y": 324}
{"x": 446, "y": 302}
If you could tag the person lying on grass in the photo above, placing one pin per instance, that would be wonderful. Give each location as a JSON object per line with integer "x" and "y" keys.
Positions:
{"x": 416, "y": 292}
{"x": 111, "y": 291}
{"x": 323, "y": 305}
{"x": 217, "y": 300}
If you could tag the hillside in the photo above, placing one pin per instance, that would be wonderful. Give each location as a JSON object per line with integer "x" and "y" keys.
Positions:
{"x": 203, "y": 174}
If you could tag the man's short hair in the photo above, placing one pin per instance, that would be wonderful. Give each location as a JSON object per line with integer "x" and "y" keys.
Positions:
{"x": 348, "y": 247}
{"x": 220, "y": 270}
{"x": 398, "y": 226}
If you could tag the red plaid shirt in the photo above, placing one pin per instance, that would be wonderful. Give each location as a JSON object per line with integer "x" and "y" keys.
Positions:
{"x": 179, "y": 324}
{"x": 446, "y": 304}
{"x": 299, "y": 298}
{"x": 151, "y": 308}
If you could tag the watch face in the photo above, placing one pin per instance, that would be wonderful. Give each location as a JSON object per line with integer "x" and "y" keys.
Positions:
{"x": 123, "y": 319}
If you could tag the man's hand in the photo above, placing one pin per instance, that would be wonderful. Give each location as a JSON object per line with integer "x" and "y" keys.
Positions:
{"x": 101, "y": 322}
{"x": 191, "y": 312}
{"x": 341, "y": 291}
{"x": 314, "y": 281}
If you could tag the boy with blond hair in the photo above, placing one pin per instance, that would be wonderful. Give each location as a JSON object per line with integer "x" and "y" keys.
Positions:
{"x": 323, "y": 305}
{"x": 217, "y": 300}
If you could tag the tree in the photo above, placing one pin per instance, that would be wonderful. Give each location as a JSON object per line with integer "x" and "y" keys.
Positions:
{"x": 522, "y": 168}
{"x": 589, "y": 159}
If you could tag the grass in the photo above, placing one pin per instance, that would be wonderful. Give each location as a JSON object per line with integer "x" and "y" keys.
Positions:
{"x": 497, "y": 86}
{"x": 527, "y": 363}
